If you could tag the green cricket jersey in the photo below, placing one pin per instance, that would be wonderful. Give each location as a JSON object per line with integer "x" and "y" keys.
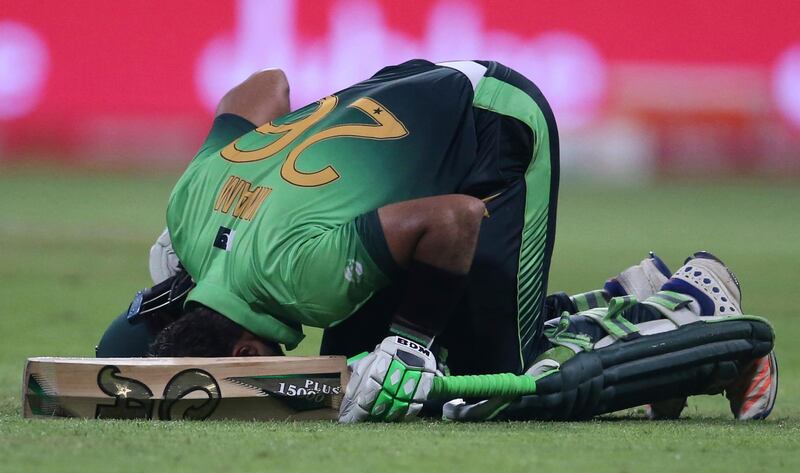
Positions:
{"x": 266, "y": 224}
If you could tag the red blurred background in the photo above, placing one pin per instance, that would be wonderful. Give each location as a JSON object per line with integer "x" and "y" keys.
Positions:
{"x": 638, "y": 87}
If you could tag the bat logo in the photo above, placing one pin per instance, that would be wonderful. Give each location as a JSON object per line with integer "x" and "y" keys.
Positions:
{"x": 297, "y": 391}
{"x": 134, "y": 400}
{"x": 184, "y": 383}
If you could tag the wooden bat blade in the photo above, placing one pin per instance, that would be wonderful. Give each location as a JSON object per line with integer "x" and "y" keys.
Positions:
{"x": 247, "y": 388}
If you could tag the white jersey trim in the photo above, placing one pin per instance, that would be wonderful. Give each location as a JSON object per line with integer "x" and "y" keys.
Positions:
{"x": 471, "y": 69}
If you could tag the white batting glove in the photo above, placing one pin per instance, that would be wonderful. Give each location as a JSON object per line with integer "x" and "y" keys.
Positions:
{"x": 163, "y": 260}
{"x": 390, "y": 383}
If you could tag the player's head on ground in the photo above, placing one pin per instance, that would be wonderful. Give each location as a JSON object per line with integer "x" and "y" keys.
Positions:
{"x": 205, "y": 332}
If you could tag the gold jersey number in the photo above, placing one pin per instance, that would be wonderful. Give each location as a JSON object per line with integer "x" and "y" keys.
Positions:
{"x": 385, "y": 127}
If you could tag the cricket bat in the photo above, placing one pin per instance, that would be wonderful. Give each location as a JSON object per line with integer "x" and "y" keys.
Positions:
{"x": 245, "y": 388}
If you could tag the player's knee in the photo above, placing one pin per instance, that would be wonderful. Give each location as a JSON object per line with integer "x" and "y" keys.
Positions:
{"x": 260, "y": 98}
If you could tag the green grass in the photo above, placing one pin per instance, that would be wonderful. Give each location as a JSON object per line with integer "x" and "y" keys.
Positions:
{"x": 74, "y": 249}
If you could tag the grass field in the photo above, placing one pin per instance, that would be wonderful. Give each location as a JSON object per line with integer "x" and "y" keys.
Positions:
{"x": 74, "y": 249}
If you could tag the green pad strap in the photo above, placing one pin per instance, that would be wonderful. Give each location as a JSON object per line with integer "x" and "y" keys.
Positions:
{"x": 560, "y": 335}
{"x": 670, "y": 300}
{"x": 559, "y": 354}
{"x": 613, "y": 321}
{"x": 590, "y": 300}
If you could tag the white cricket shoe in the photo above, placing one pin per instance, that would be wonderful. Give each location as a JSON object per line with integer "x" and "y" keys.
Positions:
{"x": 707, "y": 280}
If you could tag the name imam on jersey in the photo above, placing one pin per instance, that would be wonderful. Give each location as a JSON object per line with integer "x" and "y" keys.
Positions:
{"x": 247, "y": 198}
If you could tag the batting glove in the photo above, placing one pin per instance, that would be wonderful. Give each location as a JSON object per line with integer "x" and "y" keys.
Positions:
{"x": 389, "y": 384}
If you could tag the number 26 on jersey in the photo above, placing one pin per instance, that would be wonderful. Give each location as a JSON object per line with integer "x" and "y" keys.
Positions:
{"x": 385, "y": 126}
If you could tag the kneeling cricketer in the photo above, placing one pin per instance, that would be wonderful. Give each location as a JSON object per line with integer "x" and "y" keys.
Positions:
{"x": 412, "y": 215}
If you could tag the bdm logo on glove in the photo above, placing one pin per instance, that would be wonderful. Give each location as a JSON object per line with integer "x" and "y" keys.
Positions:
{"x": 224, "y": 239}
{"x": 413, "y": 345}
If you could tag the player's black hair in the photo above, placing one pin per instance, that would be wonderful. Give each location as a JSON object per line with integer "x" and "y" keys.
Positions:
{"x": 200, "y": 332}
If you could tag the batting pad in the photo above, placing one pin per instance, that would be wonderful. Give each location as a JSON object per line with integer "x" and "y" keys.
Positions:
{"x": 700, "y": 358}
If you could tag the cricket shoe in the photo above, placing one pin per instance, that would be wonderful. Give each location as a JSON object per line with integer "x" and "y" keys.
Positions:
{"x": 752, "y": 396}
{"x": 717, "y": 292}
{"x": 707, "y": 280}
{"x": 640, "y": 281}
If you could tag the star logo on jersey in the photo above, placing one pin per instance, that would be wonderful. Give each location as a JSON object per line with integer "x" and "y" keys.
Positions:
{"x": 377, "y": 111}
{"x": 224, "y": 239}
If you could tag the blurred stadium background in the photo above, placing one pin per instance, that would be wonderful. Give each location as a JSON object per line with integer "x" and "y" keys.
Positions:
{"x": 680, "y": 130}
{"x": 639, "y": 88}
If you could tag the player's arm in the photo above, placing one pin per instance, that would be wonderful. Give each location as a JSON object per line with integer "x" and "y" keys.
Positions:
{"x": 261, "y": 98}
{"x": 433, "y": 240}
